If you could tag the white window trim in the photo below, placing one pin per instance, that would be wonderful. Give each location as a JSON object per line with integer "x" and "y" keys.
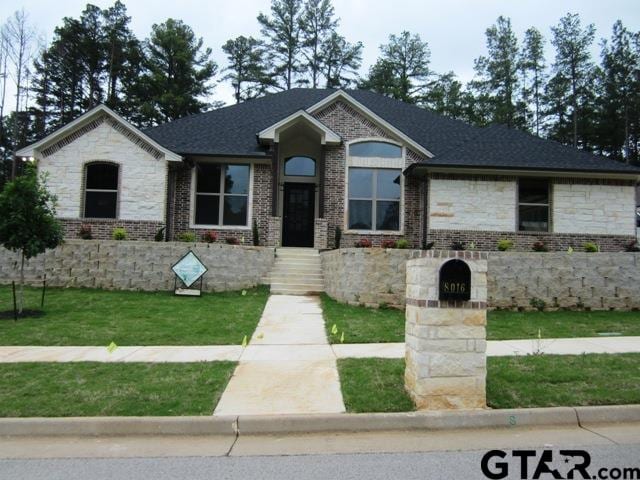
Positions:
{"x": 192, "y": 207}
{"x": 374, "y": 162}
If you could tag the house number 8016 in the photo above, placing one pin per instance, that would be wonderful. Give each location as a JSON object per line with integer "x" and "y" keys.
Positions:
{"x": 451, "y": 287}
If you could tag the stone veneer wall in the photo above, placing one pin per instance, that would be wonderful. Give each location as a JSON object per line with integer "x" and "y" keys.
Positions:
{"x": 126, "y": 265}
{"x": 578, "y": 280}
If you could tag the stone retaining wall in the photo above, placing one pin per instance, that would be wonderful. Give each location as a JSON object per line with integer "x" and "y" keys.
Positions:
{"x": 562, "y": 280}
{"x": 131, "y": 265}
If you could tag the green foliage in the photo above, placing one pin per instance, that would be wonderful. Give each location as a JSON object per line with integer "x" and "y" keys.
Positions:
{"x": 591, "y": 247}
{"x": 159, "y": 236}
{"x": 178, "y": 73}
{"x": 246, "y": 70}
{"x": 119, "y": 233}
{"x": 402, "y": 70}
{"x": 504, "y": 245}
{"x": 402, "y": 243}
{"x": 28, "y": 224}
{"x": 538, "y": 303}
{"x": 189, "y": 237}
{"x": 255, "y": 233}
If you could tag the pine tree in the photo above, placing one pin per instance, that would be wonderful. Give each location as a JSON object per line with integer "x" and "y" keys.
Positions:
{"x": 573, "y": 67}
{"x": 497, "y": 75}
{"x": 446, "y": 95}
{"x": 620, "y": 99}
{"x": 532, "y": 63}
{"x": 402, "y": 71}
{"x": 318, "y": 25}
{"x": 246, "y": 69}
{"x": 178, "y": 74}
{"x": 282, "y": 32}
{"x": 340, "y": 61}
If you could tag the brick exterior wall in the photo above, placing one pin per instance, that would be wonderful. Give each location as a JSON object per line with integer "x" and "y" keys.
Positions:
{"x": 180, "y": 206}
{"x": 101, "y": 229}
{"x": 488, "y": 240}
{"x": 351, "y": 125}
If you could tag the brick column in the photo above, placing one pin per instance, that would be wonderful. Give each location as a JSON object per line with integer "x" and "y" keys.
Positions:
{"x": 445, "y": 340}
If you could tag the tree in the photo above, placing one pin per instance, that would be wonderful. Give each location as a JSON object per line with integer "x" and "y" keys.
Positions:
{"x": 402, "y": 71}
{"x": 20, "y": 36}
{"x": 340, "y": 61}
{"x": 246, "y": 69}
{"x": 318, "y": 25}
{"x": 282, "y": 32}
{"x": 573, "y": 64}
{"x": 446, "y": 95}
{"x": 178, "y": 74}
{"x": 498, "y": 74}
{"x": 618, "y": 112}
{"x": 28, "y": 224}
{"x": 532, "y": 63}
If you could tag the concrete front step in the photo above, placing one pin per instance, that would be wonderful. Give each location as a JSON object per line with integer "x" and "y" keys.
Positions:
{"x": 302, "y": 286}
{"x": 303, "y": 278}
{"x": 298, "y": 261}
{"x": 295, "y": 291}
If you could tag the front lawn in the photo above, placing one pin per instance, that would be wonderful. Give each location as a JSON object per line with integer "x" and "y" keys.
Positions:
{"x": 362, "y": 324}
{"x": 111, "y": 389}
{"x": 377, "y": 385}
{"x": 98, "y": 317}
{"x": 506, "y": 325}
{"x": 371, "y": 325}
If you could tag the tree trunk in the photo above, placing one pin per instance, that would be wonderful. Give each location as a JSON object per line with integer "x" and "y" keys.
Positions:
{"x": 21, "y": 291}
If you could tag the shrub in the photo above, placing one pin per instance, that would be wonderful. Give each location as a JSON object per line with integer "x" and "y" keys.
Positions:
{"x": 504, "y": 245}
{"x": 402, "y": 243}
{"x": 232, "y": 240}
{"x": 540, "y": 246}
{"x": 159, "y": 237}
{"x": 210, "y": 236}
{"x": 388, "y": 244}
{"x": 189, "y": 237}
{"x": 428, "y": 246}
{"x": 256, "y": 234}
{"x": 363, "y": 243}
{"x": 632, "y": 246}
{"x": 119, "y": 233}
{"x": 591, "y": 247}
{"x": 85, "y": 232}
{"x": 538, "y": 303}
{"x": 457, "y": 245}
{"x": 338, "y": 237}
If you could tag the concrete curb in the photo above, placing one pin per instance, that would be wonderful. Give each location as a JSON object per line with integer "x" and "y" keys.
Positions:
{"x": 333, "y": 423}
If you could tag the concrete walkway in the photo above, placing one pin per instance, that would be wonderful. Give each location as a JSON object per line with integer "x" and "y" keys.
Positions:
{"x": 288, "y": 367}
{"x": 312, "y": 345}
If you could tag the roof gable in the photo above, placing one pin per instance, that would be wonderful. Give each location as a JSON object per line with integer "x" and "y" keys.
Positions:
{"x": 272, "y": 132}
{"x": 87, "y": 122}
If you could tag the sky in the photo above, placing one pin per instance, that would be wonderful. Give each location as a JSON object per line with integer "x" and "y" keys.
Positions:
{"x": 454, "y": 29}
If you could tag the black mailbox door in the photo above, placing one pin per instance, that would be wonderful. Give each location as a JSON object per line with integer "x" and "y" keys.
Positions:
{"x": 455, "y": 281}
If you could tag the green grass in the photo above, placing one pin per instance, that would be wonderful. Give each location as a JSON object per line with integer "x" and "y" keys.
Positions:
{"x": 373, "y": 385}
{"x": 98, "y": 317}
{"x": 505, "y": 325}
{"x": 377, "y": 385}
{"x": 107, "y": 389}
{"x": 563, "y": 380}
{"x": 362, "y": 324}
{"x": 370, "y": 325}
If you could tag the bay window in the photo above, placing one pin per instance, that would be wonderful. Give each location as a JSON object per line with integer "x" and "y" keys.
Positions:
{"x": 222, "y": 194}
{"x": 374, "y": 199}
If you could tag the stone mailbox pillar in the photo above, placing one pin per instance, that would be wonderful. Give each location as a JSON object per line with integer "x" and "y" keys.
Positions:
{"x": 445, "y": 332}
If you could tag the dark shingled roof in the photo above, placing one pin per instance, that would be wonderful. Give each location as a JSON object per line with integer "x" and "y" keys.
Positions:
{"x": 232, "y": 131}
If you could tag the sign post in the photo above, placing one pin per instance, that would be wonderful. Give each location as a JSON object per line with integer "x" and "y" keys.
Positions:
{"x": 189, "y": 269}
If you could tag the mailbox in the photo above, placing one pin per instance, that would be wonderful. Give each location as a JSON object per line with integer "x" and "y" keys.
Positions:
{"x": 455, "y": 280}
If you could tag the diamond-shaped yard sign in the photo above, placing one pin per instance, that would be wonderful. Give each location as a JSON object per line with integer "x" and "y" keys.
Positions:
{"x": 189, "y": 269}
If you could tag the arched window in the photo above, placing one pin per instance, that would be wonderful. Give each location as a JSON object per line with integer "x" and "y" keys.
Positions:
{"x": 101, "y": 190}
{"x": 300, "y": 167}
{"x": 375, "y": 149}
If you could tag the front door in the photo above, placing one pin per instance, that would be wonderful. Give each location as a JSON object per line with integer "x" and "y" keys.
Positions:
{"x": 298, "y": 214}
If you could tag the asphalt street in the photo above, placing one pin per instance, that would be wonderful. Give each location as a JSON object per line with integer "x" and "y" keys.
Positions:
{"x": 408, "y": 466}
